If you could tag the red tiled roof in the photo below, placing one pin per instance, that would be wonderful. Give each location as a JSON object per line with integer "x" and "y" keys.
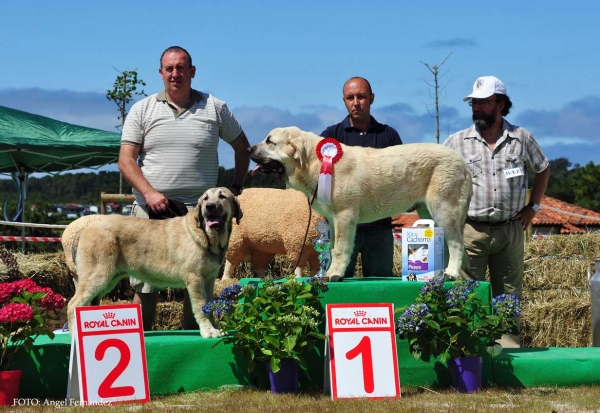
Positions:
{"x": 557, "y": 212}
{"x": 404, "y": 220}
{"x": 571, "y": 219}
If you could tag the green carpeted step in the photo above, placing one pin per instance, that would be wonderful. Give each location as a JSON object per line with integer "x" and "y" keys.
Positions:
{"x": 554, "y": 366}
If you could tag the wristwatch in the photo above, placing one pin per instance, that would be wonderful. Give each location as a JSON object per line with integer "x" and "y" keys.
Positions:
{"x": 534, "y": 206}
{"x": 238, "y": 188}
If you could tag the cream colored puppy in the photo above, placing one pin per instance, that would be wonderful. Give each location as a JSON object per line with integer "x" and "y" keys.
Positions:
{"x": 183, "y": 252}
{"x": 370, "y": 184}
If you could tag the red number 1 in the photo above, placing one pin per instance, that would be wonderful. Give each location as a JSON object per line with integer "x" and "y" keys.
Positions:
{"x": 106, "y": 390}
{"x": 364, "y": 348}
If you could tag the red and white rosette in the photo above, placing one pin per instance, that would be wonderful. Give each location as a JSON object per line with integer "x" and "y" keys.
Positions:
{"x": 329, "y": 152}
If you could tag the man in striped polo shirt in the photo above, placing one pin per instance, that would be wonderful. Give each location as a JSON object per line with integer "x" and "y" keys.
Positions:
{"x": 499, "y": 155}
{"x": 169, "y": 151}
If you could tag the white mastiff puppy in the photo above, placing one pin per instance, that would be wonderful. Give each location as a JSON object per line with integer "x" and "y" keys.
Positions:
{"x": 370, "y": 184}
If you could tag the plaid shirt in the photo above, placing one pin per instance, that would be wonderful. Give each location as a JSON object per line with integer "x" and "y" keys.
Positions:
{"x": 497, "y": 197}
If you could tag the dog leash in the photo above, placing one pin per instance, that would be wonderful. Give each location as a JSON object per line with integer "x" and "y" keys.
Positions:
{"x": 310, "y": 202}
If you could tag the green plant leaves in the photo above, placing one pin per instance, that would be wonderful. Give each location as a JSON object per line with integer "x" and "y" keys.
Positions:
{"x": 275, "y": 321}
{"x": 450, "y": 322}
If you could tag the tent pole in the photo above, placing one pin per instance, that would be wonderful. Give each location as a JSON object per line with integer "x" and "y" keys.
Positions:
{"x": 23, "y": 193}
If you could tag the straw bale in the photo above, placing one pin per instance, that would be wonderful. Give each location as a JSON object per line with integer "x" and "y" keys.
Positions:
{"x": 168, "y": 315}
{"x": 560, "y": 261}
{"x": 46, "y": 269}
{"x": 556, "y": 318}
{"x": 554, "y": 272}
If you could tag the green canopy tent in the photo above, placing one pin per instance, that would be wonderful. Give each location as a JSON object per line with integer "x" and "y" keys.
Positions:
{"x": 31, "y": 143}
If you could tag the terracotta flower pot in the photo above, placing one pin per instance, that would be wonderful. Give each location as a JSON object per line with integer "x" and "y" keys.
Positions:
{"x": 10, "y": 380}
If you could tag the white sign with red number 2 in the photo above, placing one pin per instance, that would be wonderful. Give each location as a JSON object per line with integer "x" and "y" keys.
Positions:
{"x": 361, "y": 357}
{"x": 108, "y": 356}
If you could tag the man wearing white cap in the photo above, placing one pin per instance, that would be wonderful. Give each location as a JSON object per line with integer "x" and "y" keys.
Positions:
{"x": 499, "y": 156}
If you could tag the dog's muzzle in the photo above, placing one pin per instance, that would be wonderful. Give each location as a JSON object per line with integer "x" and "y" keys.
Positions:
{"x": 268, "y": 167}
{"x": 214, "y": 215}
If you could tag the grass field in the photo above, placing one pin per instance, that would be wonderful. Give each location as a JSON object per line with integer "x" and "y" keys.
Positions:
{"x": 494, "y": 400}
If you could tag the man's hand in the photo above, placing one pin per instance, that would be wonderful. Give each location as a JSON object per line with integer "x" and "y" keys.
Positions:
{"x": 525, "y": 216}
{"x": 156, "y": 201}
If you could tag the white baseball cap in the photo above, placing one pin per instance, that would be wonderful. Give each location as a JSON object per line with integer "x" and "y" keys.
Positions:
{"x": 486, "y": 86}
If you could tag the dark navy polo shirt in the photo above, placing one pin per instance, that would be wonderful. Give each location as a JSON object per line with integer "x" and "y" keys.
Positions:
{"x": 378, "y": 135}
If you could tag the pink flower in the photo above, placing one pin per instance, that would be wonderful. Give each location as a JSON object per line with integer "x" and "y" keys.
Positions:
{"x": 10, "y": 290}
{"x": 24, "y": 308}
{"x": 16, "y": 313}
{"x": 53, "y": 301}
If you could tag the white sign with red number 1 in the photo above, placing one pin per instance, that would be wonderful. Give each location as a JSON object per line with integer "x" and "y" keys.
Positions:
{"x": 108, "y": 356}
{"x": 361, "y": 358}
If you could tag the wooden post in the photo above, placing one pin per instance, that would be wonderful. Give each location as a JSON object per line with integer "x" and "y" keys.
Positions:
{"x": 118, "y": 198}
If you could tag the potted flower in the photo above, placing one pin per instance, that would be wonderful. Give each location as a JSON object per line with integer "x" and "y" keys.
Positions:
{"x": 276, "y": 323}
{"x": 24, "y": 310}
{"x": 455, "y": 325}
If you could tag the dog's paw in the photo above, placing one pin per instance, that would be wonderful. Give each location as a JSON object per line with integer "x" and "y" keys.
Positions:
{"x": 336, "y": 278}
{"x": 210, "y": 332}
{"x": 448, "y": 277}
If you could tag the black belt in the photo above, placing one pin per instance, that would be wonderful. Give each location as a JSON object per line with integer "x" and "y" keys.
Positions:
{"x": 490, "y": 223}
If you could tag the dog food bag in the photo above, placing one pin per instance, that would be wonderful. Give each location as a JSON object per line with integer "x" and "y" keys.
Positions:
{"x": 422, "y": 251}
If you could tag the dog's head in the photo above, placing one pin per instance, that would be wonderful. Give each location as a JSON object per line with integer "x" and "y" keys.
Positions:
{"x": 281, "y": 152}
{"x": 216, "y": 208}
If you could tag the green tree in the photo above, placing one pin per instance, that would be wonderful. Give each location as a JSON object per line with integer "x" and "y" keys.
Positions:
{"x": 585, "y": 182}
{"x": 123, "y": 92}
{"x": 559, "y": 186}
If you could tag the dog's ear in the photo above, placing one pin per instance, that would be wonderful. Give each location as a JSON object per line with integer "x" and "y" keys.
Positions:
{"x": 198, "y": 214}
{"x": 237, "y": 210}
{"x": 294, "y": 148}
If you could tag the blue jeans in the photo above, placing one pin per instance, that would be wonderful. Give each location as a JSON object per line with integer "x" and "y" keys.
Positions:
{"x": 376, "y": 247}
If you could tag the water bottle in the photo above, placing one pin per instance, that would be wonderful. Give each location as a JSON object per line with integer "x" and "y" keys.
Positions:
{"x": 595, "y": 291}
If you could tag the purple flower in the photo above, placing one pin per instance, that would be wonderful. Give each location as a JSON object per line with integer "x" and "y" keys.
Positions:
{"x": 459, "y": 292}
{"x": 507, "y": 305}
{"x": 230, "y": 293}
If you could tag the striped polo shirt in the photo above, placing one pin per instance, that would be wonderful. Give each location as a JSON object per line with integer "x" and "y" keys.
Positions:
{"x": 178, "y": 150}
{"x": 499, "y": 190}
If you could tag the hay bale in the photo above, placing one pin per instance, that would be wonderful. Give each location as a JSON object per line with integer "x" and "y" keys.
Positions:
{"x": 556, "y": 318}
{"x": 560, "y": 261}
{"x": 168, "y": 315}
{"x": 46, "y": 269}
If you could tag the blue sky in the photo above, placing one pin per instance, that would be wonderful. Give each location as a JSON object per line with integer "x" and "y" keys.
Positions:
{"x": 284, "y": 63}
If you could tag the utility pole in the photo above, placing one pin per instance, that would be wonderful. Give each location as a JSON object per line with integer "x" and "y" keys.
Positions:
{"x": 435, "y": 70}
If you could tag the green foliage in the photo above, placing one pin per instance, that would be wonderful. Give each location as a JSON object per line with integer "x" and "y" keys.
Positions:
{"x": 86, "y": 187}
{"x": 558, "y": 185}
{"x": 454, "y": 322}
{"x": 24, "y": 309}
{"x": 123, "y": 92}
{"x": 573, "y": 184}
{"x": 584, "y": 182}
{"x": 276, "y": 321}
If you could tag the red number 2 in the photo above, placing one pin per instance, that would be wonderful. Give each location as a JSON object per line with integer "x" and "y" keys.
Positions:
{"x": 364, "y": 348}
{"x": 106, "y": 390}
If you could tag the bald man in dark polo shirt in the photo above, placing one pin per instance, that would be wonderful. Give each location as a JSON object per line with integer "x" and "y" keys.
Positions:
{"x": 374, "y": 240}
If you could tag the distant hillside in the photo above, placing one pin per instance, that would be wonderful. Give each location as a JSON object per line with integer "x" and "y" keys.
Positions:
{"x": 85, "y": 188}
